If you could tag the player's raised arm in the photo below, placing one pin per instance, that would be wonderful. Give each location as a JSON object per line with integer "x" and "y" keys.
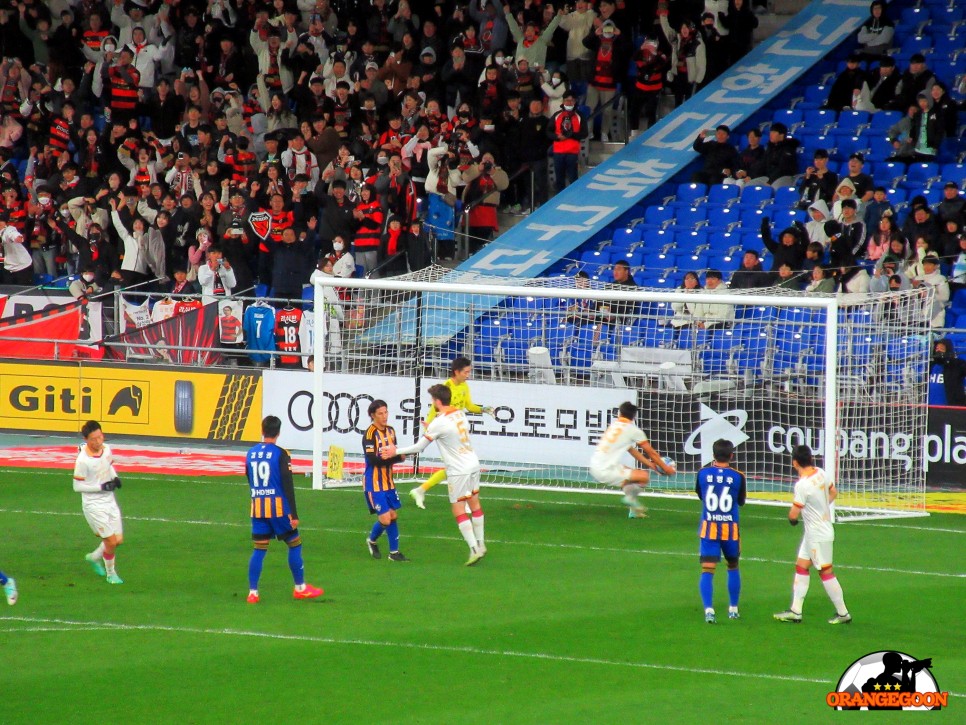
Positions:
{"x": 418, "y": 447}
{"x": 658, "y": 462}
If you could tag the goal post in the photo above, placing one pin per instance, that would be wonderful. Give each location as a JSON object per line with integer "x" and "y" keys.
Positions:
{"x": 767, "y": 369}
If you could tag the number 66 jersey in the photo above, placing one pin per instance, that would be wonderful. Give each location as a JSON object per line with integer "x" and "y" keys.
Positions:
{"x": 721, "y": 490}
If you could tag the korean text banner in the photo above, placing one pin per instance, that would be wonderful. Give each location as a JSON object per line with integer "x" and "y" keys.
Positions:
{"x": 531, "y": 423}
{"x": 608, "y": 191}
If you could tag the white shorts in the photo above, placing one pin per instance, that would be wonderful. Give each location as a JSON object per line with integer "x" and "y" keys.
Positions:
{"x": 818, "y": 552}
{"x": 104, "y": 519}
{"x": 462, "y": 487}
{"x": 613, "y": 475}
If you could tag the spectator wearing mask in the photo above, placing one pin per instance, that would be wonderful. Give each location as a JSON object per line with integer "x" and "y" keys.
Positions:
{"x": 947, "y": 377}
{"x": 484, "y": 182}
{"x": 566, "y": 130}
{"x": 650, "y": 67}
{"x": 609, "y": 59}
{"x": 932, "y": 277}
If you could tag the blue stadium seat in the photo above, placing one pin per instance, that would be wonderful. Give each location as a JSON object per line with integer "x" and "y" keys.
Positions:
{"x": 724, "y": 261}
{"x": 685, "y": 261}
{"x": 853, "y": 120}
{"x": 786, "y": 197}
{"x": 756, "y": 313}
{"x": 788, "y": 116}
{"x": 690, "y": 193}
{"x": 690, "y": 217}
{"x": 945, "y": 46}
{"x": 722, "y": 218}
{"x": 846, "y": 145}
{"x": 657, "y": 239}
{"x": 814, "y": 94}
{"x": 916, "y": 44}
{"x": 658, "y": 260}
{"x": 896, "y": 196}
{"x": 723, "y": 194}
{"x": 818, "y": 120}
{"x": 723, "y": 241}
{"x": 692, "y": 338}
{"x": 879, "y": 146}
{"x": 883, "y": 120}
{"x": 594, "y": 256}
{"x": 635, "y": 257}
{"x": 756, "y": 195}
{"x": 751, "y": 216}
{"x": 690, "y": 240}
{"x": 920, "y": 173}
{"x": 626, "y": 236}
{"x": 658, "y": 214}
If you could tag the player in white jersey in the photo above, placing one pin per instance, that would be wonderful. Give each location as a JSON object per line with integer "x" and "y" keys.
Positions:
{"x": 451, "y": 432}
{"x": 814, "y": 494}
{"x": 623, "y": 436}
{"x": 96, "y": 480}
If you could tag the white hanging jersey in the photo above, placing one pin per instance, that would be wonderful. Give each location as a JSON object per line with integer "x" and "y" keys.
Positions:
{"x": 619, "y": 436}
{"x": 307, "y": 336}
{"x": 811, "y": 496}
{"x": 90, "y": 472}
{"x": 451, "y": 431}
{"x": 163, "y": 310}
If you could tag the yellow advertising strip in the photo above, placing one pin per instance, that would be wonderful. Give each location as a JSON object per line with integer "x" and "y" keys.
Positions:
{"x": 128, "y": 400}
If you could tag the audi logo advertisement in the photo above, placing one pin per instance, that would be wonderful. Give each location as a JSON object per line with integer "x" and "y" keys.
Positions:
{"x": 531, "y": 423}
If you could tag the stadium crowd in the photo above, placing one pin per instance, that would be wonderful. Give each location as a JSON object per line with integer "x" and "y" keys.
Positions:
{"x": 239, "y": 146}
{"x": 138, "y": 135}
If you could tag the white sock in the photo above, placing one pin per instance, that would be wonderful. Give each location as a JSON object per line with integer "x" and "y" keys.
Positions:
{"x": 799, "y": 590}
{"x": 466, "y": 528}
{"x": 835, "y": 593}
{"x": 98, "y": 553}
{"x": 300, "y": 587}
{"x": 109, "y": 564}
{"x": 477, "y": 522}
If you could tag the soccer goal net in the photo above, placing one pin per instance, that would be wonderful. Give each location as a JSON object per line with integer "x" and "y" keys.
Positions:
{"x": 555, "y": 357}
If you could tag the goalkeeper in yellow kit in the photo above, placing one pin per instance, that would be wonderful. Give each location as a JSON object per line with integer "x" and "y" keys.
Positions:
{"x": 459, "y": 372}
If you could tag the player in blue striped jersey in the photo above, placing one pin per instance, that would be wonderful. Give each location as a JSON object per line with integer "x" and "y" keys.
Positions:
{"x": 273, "y": 510}
{"x": 380, "y": 490}
{"x": 722, "y": 490}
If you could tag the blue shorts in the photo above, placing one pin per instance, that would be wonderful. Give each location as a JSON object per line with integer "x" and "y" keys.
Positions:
{"x": 382, "y": 502}
{"x": 713, "y": 549}
{"x": 279, "y": 527}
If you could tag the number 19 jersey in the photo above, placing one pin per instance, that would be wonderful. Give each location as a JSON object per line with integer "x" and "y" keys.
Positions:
{"x": 721, "y": 490}
{"x": 265, "y": 464}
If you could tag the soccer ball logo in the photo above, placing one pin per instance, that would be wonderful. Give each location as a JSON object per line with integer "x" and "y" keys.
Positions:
{"x": 890, "y": 672}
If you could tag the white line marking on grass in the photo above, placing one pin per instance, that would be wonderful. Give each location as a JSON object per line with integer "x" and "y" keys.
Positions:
{"x": 506, "y": 542}
{"x": 218, "y": 480}
{"x": 67, "y": 624}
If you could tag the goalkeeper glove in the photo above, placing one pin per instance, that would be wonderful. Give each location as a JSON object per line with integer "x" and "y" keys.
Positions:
{"x": 793, "y": 522}
{"x": 107, "y": 486}
{"x": 488, "y": 410}
{"x": 116, "y": 482}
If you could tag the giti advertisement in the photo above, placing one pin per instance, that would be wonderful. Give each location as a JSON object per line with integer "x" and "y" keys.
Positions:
{"x": 160, "y": 403}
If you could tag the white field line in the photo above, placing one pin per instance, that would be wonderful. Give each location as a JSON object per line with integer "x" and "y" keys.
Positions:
{"x": 506, "y": 542}
{"x": 487, "y": 496}
{"x": 72, "y": 625}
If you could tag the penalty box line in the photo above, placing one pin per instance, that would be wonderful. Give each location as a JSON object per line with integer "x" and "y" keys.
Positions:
{"x": 506, "y": 542}
{"x": 68, "y": 625}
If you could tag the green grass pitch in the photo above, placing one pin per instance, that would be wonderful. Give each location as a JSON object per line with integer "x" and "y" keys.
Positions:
{"x": 577, "y": 614}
